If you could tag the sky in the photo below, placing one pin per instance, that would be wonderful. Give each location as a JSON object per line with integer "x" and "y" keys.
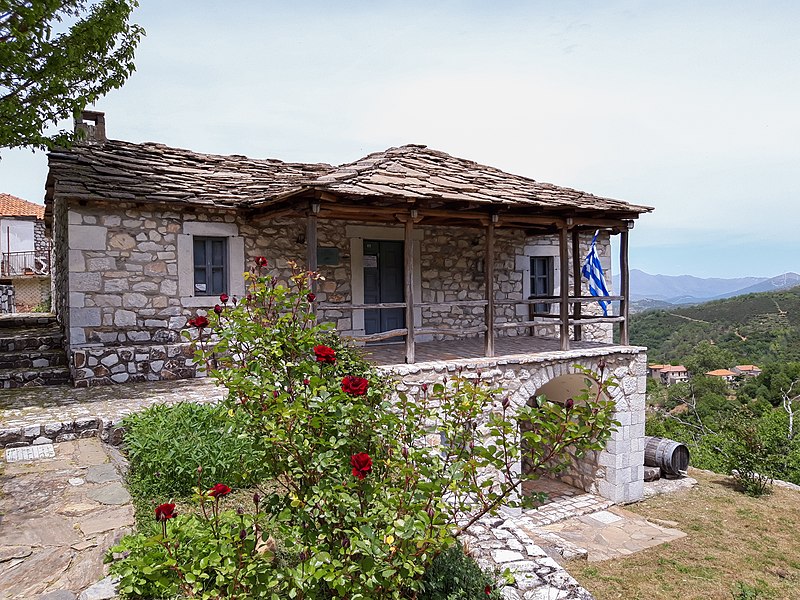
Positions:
{"x": 689, "y": 107}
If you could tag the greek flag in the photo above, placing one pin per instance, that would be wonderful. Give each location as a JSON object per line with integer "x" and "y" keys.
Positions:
{"x": 593, "y": 272}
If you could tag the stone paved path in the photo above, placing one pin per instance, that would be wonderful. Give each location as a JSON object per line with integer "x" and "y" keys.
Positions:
{"x": 59, "y": 516}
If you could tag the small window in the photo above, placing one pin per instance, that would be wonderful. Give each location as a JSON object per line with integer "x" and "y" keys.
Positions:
{"x": 210, "y": 266}
{"x": 541, "y": 281}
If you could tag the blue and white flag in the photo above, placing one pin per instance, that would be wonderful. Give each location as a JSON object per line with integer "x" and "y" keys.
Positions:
{"x": 593, "y": 272}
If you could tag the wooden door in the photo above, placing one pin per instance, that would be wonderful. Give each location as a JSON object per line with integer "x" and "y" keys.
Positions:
{"x": 383, "y": 283}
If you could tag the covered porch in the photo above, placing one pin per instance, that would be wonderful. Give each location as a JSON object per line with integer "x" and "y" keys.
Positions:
{"x": 413, "y": 195}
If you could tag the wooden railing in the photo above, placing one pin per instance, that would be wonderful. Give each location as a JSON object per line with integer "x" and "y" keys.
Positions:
{"x": 575, "y": 318}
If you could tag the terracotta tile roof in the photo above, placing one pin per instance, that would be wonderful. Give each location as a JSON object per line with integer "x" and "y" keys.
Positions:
{"x": 11, "y": 206}
{"x": 747, "y": 368}
{"x": 721, "y": 373}
{"x": 656, "y": 367}
{"x": 117, "y": 170}
{"x": 673, "y": 369}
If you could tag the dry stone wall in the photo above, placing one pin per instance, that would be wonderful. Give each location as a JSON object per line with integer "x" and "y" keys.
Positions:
{"x": 616, "y": 473}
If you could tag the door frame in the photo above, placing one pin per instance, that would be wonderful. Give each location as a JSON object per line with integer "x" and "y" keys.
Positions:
{"x": 357, "y": 234}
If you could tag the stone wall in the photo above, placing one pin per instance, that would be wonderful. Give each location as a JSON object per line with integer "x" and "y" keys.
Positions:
{"x": 616, "y": 473}
{"x": 130, "y": 279}
{"x": 59, "y": 272}
{"x": 41, "y": 245}
{"x": 6, "y": 298}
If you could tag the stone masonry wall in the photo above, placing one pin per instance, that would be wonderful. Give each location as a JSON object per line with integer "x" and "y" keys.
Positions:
{"x": 128, "y": 305}
{"x": 60, "y": 267}
{"x": 41, "y": 245}
{"x": 616, "y": 473}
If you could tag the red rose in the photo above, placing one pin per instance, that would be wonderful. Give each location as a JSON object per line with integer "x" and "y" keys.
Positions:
{"x": 223, "y": 297}
{"x": 354, "y": 385}
{"x": 325, "y": 354}
{"x": 219, "y": 490}
{"x": 362, "y": 464}
{"x": 311, "y": 296}
{"x": 198, "y": 321}
{"x": 218, "y": 309}
{"x": 166, "y": 511}
{"x": 306, "y": 381}
{"x": 569, "y": 403}
{"x": 261, "y": 261}
{"x": 487, "y": 590}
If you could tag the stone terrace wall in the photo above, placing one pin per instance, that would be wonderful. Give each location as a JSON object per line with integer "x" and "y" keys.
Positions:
{"x": 127, "y": 279}
{"x": 616, "y": 473}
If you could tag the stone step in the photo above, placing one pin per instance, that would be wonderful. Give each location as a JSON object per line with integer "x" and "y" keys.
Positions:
{"x": 16, "y": 378}
{"x": 27, "y": 359}
{"x": 26, "y": 320}
{"x": 20, "y": 339}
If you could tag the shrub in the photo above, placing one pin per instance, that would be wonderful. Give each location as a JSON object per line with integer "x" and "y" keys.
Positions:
{"x": 166, "y": 444}
{"x": 363, "y": 500}
{"x": 452, "y": 575}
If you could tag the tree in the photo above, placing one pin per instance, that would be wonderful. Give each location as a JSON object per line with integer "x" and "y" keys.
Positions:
{"x": 47, "y": 75}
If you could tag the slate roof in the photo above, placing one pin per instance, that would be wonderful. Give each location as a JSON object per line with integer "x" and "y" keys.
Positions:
{"x": 11, "y": 206}
{"x": 149, "y": 172}
{"x": 117, "y": 170}
{"x": 414, "y": 172}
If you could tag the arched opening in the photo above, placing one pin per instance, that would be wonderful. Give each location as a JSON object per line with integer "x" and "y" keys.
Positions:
{"x": 582, "y": 473}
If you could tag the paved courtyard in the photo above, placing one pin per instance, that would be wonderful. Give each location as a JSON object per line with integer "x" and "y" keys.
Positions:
{"x": 59, "y": 516}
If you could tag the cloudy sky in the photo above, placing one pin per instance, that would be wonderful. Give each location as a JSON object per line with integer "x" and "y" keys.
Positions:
{"x": 691, "y": 107}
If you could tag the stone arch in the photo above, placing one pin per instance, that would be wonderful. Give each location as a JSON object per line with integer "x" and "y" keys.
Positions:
{"x": 566, "y": 382}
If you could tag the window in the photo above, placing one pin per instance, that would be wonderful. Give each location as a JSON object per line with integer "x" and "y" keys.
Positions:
{"x": 541, "y": 281}
{"x": 210, "y": 266}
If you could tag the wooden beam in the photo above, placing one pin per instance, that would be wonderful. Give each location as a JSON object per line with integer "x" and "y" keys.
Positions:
{"x": 624, "y": 288}
{"x": 311, "y": 247}
{"x": 379, "y": 337}
{"x": 564, "y": 283}
{"x": 576, "y": 279}
{"x": 451, "y": 330}
{"x": 488, "y": 282}
{"x": 408, "y": 247}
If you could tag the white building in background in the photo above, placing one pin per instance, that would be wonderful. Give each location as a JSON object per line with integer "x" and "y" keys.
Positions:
{"x": 24, "y": 256}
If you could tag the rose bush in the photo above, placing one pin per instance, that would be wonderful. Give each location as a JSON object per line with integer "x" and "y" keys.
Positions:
{"x": 361, "y": 499}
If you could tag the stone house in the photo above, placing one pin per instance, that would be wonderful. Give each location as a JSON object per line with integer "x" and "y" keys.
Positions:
{"x": 24, "y": 256}
{"x": 436, "y": 262}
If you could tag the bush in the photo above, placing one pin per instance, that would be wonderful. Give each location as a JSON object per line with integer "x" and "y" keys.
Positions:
{"x": 453, "y": 575}
{"x": 166, "y": 445}
{"x": 362, "y": 499}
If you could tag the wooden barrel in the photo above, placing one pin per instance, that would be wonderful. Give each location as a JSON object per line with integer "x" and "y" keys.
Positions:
{"x": 671, "y": 456}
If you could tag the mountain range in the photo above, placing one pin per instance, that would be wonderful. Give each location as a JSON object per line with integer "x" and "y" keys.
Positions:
{"x": 660, "y": 291}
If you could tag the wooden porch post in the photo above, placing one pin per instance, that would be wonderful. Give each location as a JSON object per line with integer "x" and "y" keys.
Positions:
{"x": 564, "y": 304}
{"x": 624, "y": 287}
{"x": 311, "y": 248}
{"x": 408, "y": 248}
{"x": 576, "y": 279}
{"x": 488, "y": 283}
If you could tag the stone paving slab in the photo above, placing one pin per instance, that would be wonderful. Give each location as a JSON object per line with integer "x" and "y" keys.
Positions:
{"x": 64, "y": 413}
{"x": 53, "y": 535}
{"x": 613, "y": 533}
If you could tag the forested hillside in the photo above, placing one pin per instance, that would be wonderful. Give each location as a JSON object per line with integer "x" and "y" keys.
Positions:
{"x": 753, "y": 329}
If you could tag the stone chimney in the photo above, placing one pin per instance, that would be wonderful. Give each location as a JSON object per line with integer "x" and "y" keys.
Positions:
{"x": 91, "y": 126}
